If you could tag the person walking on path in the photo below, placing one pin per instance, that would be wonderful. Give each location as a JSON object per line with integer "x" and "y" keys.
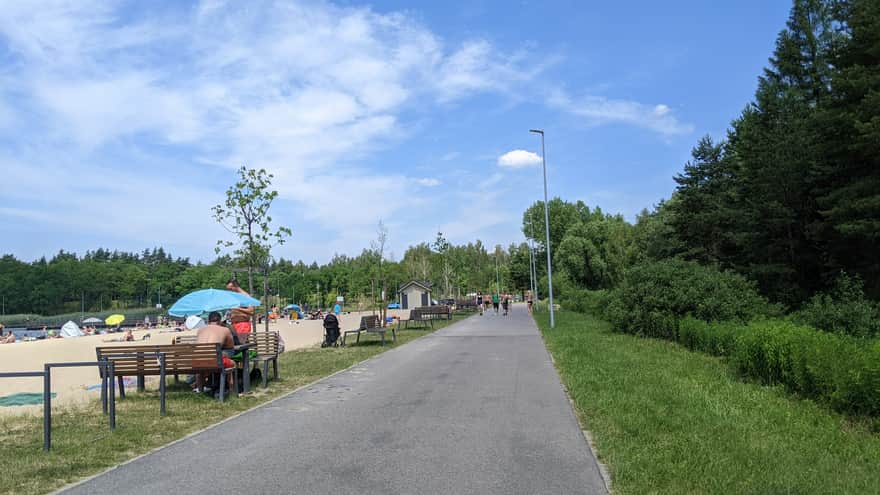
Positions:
{"x": 480, "y": 302}
{"x": 529, "y": 300}
{"x": 495, "y": 301}
{"x": 505, "y": 303}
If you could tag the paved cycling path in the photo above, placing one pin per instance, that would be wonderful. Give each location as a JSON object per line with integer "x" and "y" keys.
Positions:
{"x": 474, "y": 408}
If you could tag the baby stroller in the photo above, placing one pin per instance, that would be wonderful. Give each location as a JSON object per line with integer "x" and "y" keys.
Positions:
{"x": 331, "y": 331}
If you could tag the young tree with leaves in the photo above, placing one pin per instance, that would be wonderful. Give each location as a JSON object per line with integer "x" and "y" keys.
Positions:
{"x": 245, "y": 214}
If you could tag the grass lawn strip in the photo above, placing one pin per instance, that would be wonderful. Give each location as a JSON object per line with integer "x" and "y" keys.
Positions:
{"x": 82, "y": 444}
{"x": 667, "y": 420}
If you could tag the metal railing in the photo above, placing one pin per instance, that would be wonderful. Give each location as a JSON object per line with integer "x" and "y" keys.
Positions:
{"x": 108, "y": 403}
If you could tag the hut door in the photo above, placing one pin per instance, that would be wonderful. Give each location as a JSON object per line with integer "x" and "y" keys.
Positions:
{"x": 404, "y": 302}
{"x": 424, "y": 298}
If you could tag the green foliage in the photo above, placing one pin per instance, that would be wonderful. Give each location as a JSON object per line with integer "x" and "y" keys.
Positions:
{"x": 718, "y": 339}
{"x": 655, "y": 295}
{"x": 842, "y": 372}
{"x": 583, "y": 300}
{"x": 842, "y": 310}
{"x": 245, "y": 214}
{"x": 595, "y": 253}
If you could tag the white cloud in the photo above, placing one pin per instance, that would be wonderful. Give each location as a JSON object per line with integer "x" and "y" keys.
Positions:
{"x": 427, "y": 182}
{"x": 304, "y": 89}
{"x": 519, "y": 159}
{"x": 601, "y": 110}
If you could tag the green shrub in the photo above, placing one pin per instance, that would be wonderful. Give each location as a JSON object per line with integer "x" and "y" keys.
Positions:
{"x": 584, "y": 301}
{"x": 842, "y": 310}
{"x": 655, "y": 295}
{"x": 838, "y": 370}
{"x": 718, "y": 339}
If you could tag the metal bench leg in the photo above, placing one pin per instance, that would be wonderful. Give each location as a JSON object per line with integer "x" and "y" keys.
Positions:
{"x": 265, "y": 372}
{"x": 140, "y": 383}
{"x": 358, "y": 339}
{"x": 275, "y": 367}
{"x": 104, "y": 393}
{"x": 222, "y": 384}
{"x": 121, "y": 386}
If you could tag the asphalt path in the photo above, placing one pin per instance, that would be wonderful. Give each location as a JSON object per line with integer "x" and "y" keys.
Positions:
{"x": 476, "y": 407}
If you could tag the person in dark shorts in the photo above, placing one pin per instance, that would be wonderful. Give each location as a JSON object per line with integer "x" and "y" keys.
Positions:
{"x": 495, "y": 301}
{"x": 480, "y": 302}
{"x": 505, "y": 304}
{"x": 529, "y": 300}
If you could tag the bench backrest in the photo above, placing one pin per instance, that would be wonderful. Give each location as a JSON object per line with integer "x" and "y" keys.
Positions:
{"x": 186, "y": 339}
{"x": 265, "y": 343}
{"x": 179, "y": 358}
{"x": 371, "y": 321}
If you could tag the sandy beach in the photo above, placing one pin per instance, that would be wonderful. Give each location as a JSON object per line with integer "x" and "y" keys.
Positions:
{"x": 78, "y": 385}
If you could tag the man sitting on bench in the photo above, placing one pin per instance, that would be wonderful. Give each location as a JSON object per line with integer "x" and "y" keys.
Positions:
{"x": 215, "y": 333}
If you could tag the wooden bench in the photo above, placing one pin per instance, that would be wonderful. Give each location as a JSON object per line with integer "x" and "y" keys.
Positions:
{"x": 267, "y": 345}
{"x": 179, "y": 359}
{"x": 426, "y": 315}
{"x": 441, "y": 311}
{"x": 466, "y": 305}
{"x": 370, "y": 324}
{"x": 416, "y": 315}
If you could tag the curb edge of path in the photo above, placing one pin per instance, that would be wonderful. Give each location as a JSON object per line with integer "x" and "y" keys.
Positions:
{"x": 234, "y": 416}
{"x": 588, "y": 437}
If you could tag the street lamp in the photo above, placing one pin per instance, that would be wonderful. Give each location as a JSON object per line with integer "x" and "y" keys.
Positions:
{"x": 533, "y": 266}
{"x": 546, "y": 226}
{"x": 497, "y": 277}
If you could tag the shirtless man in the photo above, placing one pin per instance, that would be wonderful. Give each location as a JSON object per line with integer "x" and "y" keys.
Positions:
{"x": 529, "y": 300}
{"x": 215, "y": 333}
{"x": 241, "y": 317}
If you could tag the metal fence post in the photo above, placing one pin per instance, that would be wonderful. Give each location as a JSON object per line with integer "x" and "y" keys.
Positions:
{"x": 162, "y": 384}
{"x": 47, "y": 407}
{"x": 103, "y": 369}
{"x": 111, "y": 374}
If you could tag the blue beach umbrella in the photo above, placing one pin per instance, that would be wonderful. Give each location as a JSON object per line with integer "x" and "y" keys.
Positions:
{"x": 293, "y": 306}
{"x": 207, "y": 300}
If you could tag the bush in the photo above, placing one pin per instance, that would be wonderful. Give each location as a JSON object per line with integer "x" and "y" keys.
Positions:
{"x": 656, "y": 295}
{"x": 843, "y": 310}
{"x": 718, "y": 339}
{"x": 838, "y": 370}
{"x": 584, "y": 301}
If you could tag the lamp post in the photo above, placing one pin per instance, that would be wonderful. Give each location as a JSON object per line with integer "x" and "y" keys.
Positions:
{"x": 546, "y": 226}
{"x": 533, "y": 266}
{"x": 497, "y": 277}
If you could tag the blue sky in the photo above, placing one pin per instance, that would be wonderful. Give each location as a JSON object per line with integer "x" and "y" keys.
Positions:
{"x": 122, "y": 123}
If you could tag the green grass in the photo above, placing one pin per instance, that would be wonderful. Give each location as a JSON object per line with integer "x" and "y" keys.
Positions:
{"x": 82, "y": 444}
{"x": 667, "y": 420}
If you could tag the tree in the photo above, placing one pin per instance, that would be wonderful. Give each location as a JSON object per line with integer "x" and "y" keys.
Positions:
{"x": 705, "y": 213}
{"x": 378, "y": 247}
{"x": 245, "y": 214}
{"x": 442, "y": 246}
{"x": 848, "y": 180}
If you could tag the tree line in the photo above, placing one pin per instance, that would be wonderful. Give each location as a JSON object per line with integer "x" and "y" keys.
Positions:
{"x": 104, "y": 279}
{"x": 789, "y": 198}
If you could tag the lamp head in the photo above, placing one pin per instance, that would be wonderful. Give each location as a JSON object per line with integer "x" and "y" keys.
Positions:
{"x": 537, "y": 131}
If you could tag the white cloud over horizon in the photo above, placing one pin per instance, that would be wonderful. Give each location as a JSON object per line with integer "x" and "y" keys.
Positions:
{"x": 113, "y": 115}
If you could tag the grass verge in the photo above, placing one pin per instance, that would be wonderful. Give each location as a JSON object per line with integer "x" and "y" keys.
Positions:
{"x": 668, "y": 420}
{"x": 83, "y": 445}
